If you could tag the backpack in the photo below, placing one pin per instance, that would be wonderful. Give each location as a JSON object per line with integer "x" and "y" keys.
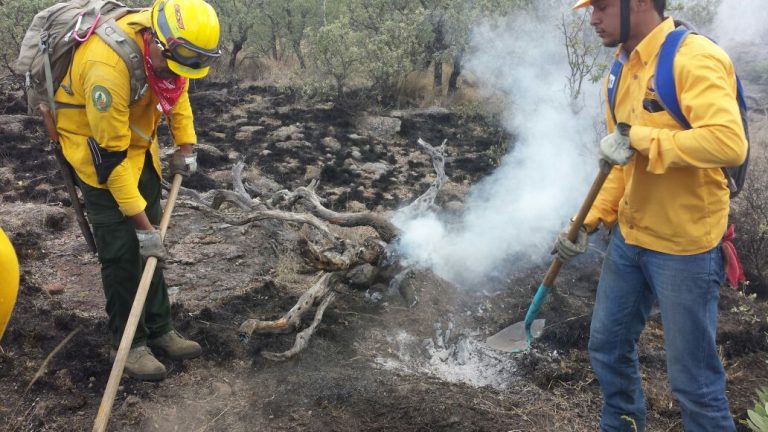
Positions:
{"x": 666, "y": 91}
{"x": 50, "y": 42}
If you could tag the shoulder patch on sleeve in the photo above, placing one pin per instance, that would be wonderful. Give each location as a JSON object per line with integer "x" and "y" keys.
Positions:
{"x": 101, "y": 98}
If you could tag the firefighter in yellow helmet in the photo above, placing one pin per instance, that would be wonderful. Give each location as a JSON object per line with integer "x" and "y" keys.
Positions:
{"x": 188, "y": 32}
{"x": 110, "y": 139}
{"x": 9, "y": 280}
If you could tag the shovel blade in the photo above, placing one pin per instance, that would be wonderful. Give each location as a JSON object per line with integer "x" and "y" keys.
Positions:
{"x": 513, "y": 338}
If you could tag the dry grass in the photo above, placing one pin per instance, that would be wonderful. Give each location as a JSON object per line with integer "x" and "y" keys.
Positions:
{"x": 469, "y": 97}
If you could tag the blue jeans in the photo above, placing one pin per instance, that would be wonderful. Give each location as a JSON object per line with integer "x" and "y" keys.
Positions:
{"x": 687, "y": 289}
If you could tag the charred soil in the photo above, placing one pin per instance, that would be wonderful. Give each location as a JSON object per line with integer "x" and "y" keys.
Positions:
{"x": 378, "y": 361}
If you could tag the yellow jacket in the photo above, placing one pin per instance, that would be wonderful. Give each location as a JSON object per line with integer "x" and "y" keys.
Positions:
{"x": 100, "y": 82}
{"x": 672, "y": 196}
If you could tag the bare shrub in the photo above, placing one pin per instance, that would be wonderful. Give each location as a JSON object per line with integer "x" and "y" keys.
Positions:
{"x": 750, "y": 213}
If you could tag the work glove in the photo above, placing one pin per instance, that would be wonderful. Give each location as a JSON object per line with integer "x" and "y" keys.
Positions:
{"x": 615, "y": 148}
{"x": 184, "y": 164}
{"x": 151, "y": 245}
{"x": 567, "y": 250}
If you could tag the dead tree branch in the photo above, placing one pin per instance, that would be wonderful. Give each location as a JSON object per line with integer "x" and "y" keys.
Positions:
{"x": 259, "y": 215}
{"x": 44, "y": 366}
{"x": 290, "y": 320}
{"x": 427, "y": 201}
{"x": 343, "y": 257}
{"x": 216, "y": 198}
{"x": 302, "y": 338}
{"x": 334, "y": 259}
{"x": 385, "y": 229}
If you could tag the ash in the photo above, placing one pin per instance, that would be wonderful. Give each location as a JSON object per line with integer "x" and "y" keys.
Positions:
{"x": 462, "y": 358}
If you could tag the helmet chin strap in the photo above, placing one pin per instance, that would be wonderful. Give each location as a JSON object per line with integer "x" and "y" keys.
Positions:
{"x": 624, "y": 37}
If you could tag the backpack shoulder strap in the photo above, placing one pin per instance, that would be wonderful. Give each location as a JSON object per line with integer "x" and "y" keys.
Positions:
{"x": 666, "y": 89}
{"x": 131, "y": 54}
{"x": 613, "y": 85}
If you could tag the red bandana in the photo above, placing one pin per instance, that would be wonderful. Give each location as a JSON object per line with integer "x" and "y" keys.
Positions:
{"x": 167, "y": 90}
{"x": 734, "y": 273}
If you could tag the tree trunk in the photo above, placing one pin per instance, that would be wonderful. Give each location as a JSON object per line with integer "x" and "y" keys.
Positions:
{"x": 323, "y": 16}
{"x": 437, "y": 48}
{"x": 236, "y": 48}
{"x": 299, "y": 54}
{"x": 339, "y": 89}
{"x": 273, "y": 43}
{"x": 454, "y": 78}
{"x": 438, "y": 76}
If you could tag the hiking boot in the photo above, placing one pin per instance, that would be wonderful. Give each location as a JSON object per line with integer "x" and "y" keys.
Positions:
{"x": 175, "y": 347}
{"x": 142, "y": 365}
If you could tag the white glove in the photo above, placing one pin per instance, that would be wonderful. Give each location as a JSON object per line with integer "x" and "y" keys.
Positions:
{"x": 184, "y": 164}
{"x": 150, "y": 244}
{"x": 615, "y": 148}
{"x": 567, "y": 250}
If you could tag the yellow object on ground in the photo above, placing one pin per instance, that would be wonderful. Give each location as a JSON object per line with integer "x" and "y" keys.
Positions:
{"x": 9, "y": 280}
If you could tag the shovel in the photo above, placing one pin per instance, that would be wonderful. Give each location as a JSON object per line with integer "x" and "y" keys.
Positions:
{"x": 518, "y": 336}
{"x": 105, "y": 409}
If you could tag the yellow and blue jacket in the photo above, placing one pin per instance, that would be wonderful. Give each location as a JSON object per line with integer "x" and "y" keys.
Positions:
{"x": 672, "y": 196}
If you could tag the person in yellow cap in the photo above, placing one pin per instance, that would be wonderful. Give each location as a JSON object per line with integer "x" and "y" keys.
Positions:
{"x": 666, "y": 201}
{"x": 112, "y": 146}
{"x": 9, "y": 281}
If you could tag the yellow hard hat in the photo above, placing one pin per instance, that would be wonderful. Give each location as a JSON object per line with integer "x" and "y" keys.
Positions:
{"x": 582, "y": 3}
{"x": 188, "y": 31}
{"x": 9, "y": 280}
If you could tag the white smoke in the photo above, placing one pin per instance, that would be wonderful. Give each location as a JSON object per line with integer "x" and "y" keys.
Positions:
{"x": 741, "y": 22}
{"x": 512, "y": 217}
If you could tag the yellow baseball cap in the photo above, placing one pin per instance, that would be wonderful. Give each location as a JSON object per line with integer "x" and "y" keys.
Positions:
{"x": 582, "y": 3}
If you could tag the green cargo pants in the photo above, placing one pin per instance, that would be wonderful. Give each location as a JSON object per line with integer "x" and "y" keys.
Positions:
{"x": 121, "y": 264}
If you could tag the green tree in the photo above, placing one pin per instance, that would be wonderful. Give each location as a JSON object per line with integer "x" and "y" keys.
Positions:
{"x": 699, "y": 13}
{"x": 237, "y": 19}
{"x": 451, "y": 22}
{"x": 587, "y": 60}
{"x": 14, "y": 21}
{"x": 394, "y": 37}
{"x": 336, "y": 52}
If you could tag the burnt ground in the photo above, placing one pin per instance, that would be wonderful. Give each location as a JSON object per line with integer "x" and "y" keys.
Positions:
{"x": 375, "y": 363}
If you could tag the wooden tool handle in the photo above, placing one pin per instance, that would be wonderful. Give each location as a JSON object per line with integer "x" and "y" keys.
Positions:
{"x": 105, "y": 409}
{"x": 578, "y": 221}
{"x": 49, "y": 122}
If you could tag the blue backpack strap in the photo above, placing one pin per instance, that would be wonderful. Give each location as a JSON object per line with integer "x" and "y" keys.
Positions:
{"x": 740, "y": 96}
{"x": 613, "y": 85}
{"x": 737, "y": 175}
{"x": 666, "y": 89}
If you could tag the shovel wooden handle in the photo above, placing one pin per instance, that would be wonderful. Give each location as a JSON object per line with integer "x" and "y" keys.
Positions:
{"x": 578, "y": 221}
{"x": 105, "y": 409}
{"x": 49, "y": 122}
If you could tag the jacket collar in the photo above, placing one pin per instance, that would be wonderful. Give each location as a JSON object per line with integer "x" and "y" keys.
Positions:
{"x": 651, "y": 44}
{"x": 139, "y": 20}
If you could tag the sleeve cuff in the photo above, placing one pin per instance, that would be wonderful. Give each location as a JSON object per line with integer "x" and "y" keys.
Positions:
{"x": 185, "y": 137}
{"x": 591, "y": 224}
{"x": 640, "y": 139}
{"x": 133, "y": 208}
